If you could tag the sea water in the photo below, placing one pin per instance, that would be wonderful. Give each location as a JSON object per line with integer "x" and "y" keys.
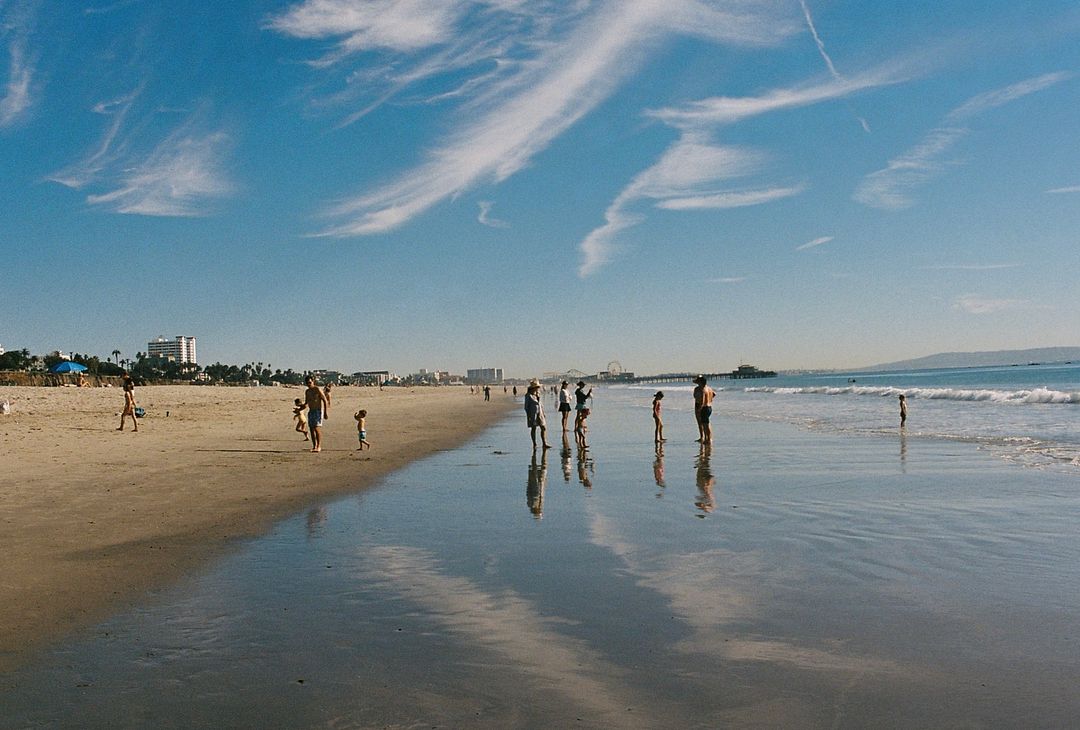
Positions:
{"x": 817, "y": 566}
{"x": 1029, "y": 414}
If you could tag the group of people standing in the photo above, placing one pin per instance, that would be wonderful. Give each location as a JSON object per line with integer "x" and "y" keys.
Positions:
{"x": 534, "y": 411}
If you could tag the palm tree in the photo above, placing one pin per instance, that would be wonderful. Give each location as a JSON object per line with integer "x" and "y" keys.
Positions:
{"x": 116, "y": 354}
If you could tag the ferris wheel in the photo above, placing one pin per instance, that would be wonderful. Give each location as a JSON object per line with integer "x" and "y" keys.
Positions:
{"x": 614, "y": 368}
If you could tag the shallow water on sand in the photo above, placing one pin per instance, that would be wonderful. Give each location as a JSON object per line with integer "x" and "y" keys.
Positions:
{"x": 786, "y": 577}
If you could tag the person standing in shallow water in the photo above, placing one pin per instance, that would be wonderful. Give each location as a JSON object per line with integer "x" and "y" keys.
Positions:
{"x": 564, "y": 403}
{"x": 703, "y": 399}
{"x": 658, "y": 418}
{"x": 534, "y": 413}
{"x": 903, "y": 411}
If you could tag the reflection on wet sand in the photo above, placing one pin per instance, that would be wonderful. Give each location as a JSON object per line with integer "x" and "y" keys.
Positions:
{"x": 903, "y": 451}
{"x": 658, "y": 470}
{"x": 585, "y": 470}
{"x": 716, "y": 592}
{"x": 705, "y": 502}
{"x": 511, "y": 627}
{"x": 534, "y": 490}
{"x": 567, "y": 458}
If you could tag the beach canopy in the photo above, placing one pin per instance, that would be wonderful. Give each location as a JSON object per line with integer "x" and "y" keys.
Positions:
{"x": 67, "y": 366}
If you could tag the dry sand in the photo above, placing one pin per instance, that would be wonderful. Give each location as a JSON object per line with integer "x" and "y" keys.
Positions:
{"x": 91, "y": 519}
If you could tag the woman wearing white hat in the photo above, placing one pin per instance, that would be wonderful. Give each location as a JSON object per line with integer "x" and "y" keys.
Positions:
{"x": 534, "y": 412}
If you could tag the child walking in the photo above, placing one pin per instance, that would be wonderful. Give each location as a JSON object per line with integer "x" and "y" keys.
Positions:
{"x": 299, "y": 417}
{"x": 361, "y": 429}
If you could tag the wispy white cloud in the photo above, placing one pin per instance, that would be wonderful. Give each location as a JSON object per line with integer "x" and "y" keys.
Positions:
{"x": 681, "y": 179}
{"x": 485, "y": 216}
{"x": 728, "y": 280}
{"x": 891, "y": 187}
{"x": 815, "y": 243}
{"x": 976, "y": 304}
{"x": 181, "y": 177}
{"x": 17, "y": 98}
{"x": 1069, "y": 189}
{"x": 970, "y": 267}
{"x": 86, "y": 170}
{"x": 560, "y": 62}
{"x": 738, "y": 199}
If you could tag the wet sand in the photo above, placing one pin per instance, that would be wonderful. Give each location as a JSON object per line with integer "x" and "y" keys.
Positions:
{"x": 92, "y": 519}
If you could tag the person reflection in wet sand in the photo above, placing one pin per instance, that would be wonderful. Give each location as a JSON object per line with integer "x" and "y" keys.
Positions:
{"x": 903, "y": 451}
{"x": 316, "y": 517}
{"x": 658, "y": 469}
{"x": 567, "y": 466}
{"x": 584, "y": 468}
{"x": 534, "y": 492}
{"x": 705, "y": 481}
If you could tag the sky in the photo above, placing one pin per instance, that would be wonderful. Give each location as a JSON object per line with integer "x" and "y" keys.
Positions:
{"x": 673, "y": 185}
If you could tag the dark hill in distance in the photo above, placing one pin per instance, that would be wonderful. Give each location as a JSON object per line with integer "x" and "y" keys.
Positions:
{"x": 983, "y": 359}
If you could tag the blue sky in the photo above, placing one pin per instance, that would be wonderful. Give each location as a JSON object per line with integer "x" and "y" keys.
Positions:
{"x": 540, "y": 185}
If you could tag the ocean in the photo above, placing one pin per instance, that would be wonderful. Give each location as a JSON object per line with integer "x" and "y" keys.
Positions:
{"x": 818, "y": 566}
{"x": 1028, "y": 414}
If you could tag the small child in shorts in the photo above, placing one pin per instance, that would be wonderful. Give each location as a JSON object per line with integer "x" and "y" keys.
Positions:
{"x": 300, "y": 418}
{"x": 361, "y": 429}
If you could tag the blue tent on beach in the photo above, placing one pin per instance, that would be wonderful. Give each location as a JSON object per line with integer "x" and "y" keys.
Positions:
{"x": 67, "y": 366}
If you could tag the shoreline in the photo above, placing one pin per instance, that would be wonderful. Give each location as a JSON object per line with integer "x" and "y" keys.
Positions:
{"x": 93, "y": 520}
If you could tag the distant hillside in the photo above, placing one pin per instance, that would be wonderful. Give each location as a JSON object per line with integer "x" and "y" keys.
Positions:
{"x": 983, "y": 359}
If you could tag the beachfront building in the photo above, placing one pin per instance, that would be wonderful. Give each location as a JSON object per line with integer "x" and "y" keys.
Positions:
{"x": 484, "y": 376}
{"x": 180, "y": 349}
{"x": 371, "y": 377}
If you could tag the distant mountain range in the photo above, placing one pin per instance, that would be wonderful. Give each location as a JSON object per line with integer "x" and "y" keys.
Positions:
{"x": 983, "y": 359}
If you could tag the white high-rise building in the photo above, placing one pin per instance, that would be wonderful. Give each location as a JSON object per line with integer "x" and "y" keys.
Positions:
{"x": 180, "y": 349}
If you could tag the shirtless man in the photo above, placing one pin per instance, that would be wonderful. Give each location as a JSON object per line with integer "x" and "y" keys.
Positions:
{"x": 317, "y": 407}
{"x": 703, "y": 398}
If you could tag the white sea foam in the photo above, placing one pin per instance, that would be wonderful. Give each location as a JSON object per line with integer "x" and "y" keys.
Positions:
{"x": 1021, "y": 397}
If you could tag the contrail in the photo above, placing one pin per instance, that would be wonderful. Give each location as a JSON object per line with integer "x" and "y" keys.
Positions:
{"x": 825, "y": 54}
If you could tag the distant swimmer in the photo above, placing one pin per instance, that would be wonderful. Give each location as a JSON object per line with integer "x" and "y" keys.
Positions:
{"x": 903, "y": 411}
{"x": 703, "y": 399}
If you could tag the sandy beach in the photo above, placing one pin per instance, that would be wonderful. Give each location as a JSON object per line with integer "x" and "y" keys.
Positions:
{"x": 92, "y": 519}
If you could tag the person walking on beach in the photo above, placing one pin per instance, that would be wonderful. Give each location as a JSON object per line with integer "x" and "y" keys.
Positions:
{"x": 657, "y": 416}
{"x": 298, "y": 416}
{"x": 564, "y": 403}
{"x": 703, "y": 399}
{"x": 129, "y": 404}
{"x": 534, "y": 413}
{"x": 361, "y": 428}
{"x": 487, "y": 392}
{"x": 317, "y": 407}
{"x": 903, "y": 410}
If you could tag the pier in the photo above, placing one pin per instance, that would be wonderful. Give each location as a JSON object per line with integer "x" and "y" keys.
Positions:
{"x": 743, "y": 372}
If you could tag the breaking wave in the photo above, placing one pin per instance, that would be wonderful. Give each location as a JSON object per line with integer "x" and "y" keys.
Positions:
{"x": 1020, "y": 397}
